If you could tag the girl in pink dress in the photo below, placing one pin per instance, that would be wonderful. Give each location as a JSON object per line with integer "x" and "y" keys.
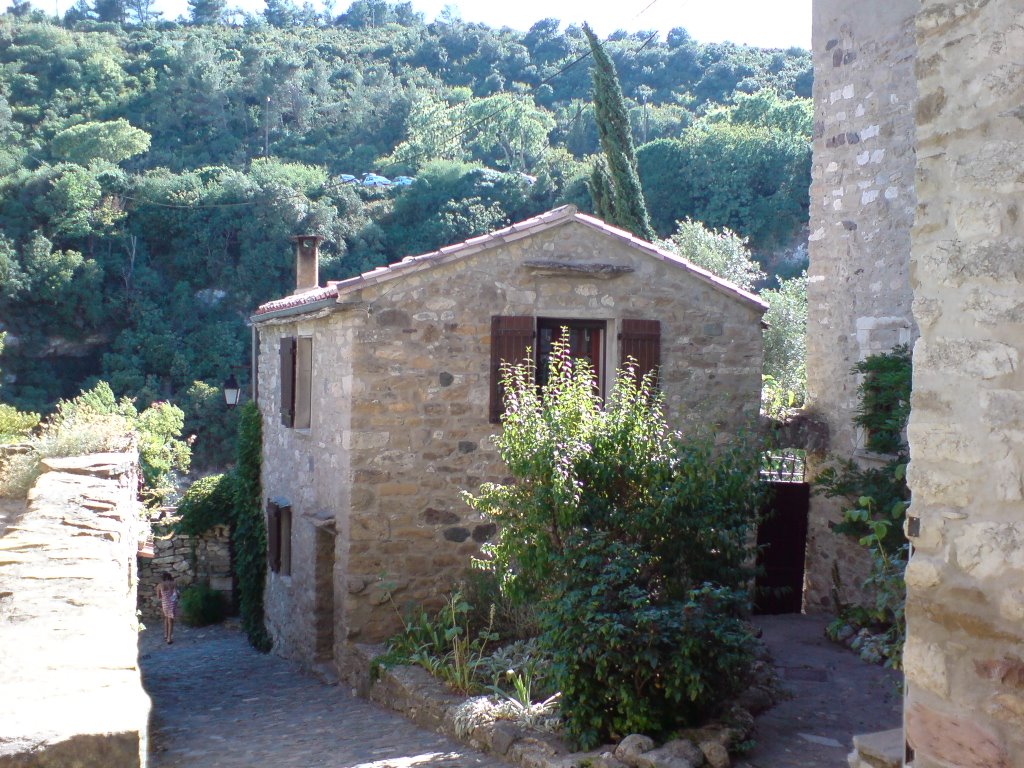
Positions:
{"x": 167, "y": 593}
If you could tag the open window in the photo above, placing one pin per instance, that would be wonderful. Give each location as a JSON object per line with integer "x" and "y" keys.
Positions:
{"x": 586, "y": 344}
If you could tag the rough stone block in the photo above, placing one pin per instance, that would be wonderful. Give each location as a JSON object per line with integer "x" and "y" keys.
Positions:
{"x": 953, "y": 739}
{"x": 632, "y": 746}
{"x": 925, "y": 665}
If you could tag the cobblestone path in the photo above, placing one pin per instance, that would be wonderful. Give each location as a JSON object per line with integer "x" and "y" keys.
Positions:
{"x": 217, "y": 703}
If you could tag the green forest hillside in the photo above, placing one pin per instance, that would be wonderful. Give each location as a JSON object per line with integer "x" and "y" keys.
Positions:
{"x": 152, "y": 172}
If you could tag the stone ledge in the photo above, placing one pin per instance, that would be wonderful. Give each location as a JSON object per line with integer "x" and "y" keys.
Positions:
{"x": 878, "y": 750}
{"x": 413, "y": 693}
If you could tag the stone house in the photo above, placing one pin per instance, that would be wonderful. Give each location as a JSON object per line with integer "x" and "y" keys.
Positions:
{"x": 379, "y": 395}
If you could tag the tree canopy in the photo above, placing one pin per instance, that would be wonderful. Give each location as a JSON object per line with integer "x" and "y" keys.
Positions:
{"x": 151, "y": 171}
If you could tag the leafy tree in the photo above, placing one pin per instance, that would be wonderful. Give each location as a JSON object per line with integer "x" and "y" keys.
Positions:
{"x": 207, "y": 11}
{"x": 785, "y": 339}
{"x": 511, "y": 125}
{"x": 748, "y": 178}
{"x": 626, "y": 199}
{"x": 723, "y": 253}
{"x": 112, "y": 141}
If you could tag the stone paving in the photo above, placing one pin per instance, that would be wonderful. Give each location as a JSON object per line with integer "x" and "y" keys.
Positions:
{"x": 834, "y": 695}
{"x": 217, "y": 703}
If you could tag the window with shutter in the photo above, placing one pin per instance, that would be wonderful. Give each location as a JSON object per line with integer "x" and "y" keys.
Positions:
{"x": 273, "y": 536}
{"x": 641, "y": 340}
{"x": 284, "y": 538}
{"x": 511, "y": 336}
{"x": 288, "y": 381}
{"x": 303, "y": 381}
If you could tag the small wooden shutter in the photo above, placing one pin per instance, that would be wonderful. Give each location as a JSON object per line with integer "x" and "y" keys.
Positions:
{"x": 511, "y": 338}
{"x": 273, "y": 536}
{"x": 641, "y": 340}
{"x": 288, "y": 381}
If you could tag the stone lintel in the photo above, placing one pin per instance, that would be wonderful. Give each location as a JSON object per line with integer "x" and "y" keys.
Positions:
{"x": 552, "y": 268}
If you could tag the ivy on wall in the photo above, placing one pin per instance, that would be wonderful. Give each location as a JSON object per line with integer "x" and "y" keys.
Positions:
{"x": 234, "y": 499}
{"x": 885, "y": 399}
{"x": 249, "y": 536}
{"x": 877, "y": 501}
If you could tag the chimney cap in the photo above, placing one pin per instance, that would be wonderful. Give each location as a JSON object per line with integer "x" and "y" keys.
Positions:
{"x": 306, "y": 241}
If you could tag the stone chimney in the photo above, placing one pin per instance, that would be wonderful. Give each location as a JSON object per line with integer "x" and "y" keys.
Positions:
{"x": 307, "y": 262}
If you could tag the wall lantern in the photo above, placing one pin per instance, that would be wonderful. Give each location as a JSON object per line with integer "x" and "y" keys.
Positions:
{"x": 232, "y": 392}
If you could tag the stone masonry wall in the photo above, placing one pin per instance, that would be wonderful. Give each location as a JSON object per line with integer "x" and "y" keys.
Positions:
{"x": 862, "y": 208}
{"x": 400, "y": 414}
{"x": 70, "y": 691}
{"x": 419, "y": 429}
{"x": 964, "y": 657}
{"x": 202, "y": 559}
{"x": 307, "y": 469}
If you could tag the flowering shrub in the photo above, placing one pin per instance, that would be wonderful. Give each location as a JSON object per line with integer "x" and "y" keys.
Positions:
{"x": 632, "y": 541}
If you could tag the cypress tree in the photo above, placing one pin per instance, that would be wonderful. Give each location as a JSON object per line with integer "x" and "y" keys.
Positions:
{"x": 627, "y": 198}
{"x": 601, "y": 190}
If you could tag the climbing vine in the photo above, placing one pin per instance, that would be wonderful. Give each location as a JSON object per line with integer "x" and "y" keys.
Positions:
{"x": 249, "y": 536}
{"x": 878, "y": 498}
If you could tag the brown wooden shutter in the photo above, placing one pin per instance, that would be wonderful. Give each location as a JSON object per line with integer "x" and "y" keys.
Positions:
{"x": 273, "y": 536}
{"x": 641, "y": 340}
{"x": 288, "y": 381}
{"x": 511, "y": 338}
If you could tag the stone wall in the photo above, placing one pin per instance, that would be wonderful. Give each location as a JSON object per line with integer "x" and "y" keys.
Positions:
{"x": 400, "y": 414}
{"x": 862, "y": 209}
{"x": 964, "y": 658}
{"x": 70, "y": 691}
{"x": 191, "y": 560}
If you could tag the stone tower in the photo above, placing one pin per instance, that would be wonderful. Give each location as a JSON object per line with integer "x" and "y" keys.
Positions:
{"x": 862, "y": 209}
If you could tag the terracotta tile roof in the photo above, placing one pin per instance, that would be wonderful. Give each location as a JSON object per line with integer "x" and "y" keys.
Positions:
{"x": 553, "y": 218}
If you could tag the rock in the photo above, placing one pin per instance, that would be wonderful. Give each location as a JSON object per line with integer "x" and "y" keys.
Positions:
{"x": 716, "y": 755}
{"x": 632, "y": 746}
{"x": 675, "y": 754}
{"x": 756, "y": 700}
{"x": 503, "y": 736}
{"x": 845, "y": 633}
{"x": 682, "y": 748}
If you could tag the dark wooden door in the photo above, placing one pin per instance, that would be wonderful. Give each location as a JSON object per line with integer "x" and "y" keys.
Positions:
{"x": 781, "y": 541}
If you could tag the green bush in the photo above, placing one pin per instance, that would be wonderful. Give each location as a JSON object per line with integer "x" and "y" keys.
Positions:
{"x": 16, "y": 425}
{"x": 202, "y": 605}
{"x": 633, "y": 543}
{"x": 209, "y": 501}
{"x": 628, "y": 661}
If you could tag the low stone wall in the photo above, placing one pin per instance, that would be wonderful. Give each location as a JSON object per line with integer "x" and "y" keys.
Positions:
{"x": 70, "y": 689}
{"x": 191, "y": 560}
{"x": 412, "y": 692}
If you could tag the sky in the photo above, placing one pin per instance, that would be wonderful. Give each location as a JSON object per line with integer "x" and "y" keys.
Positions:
{"x": 763, "y": 23}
